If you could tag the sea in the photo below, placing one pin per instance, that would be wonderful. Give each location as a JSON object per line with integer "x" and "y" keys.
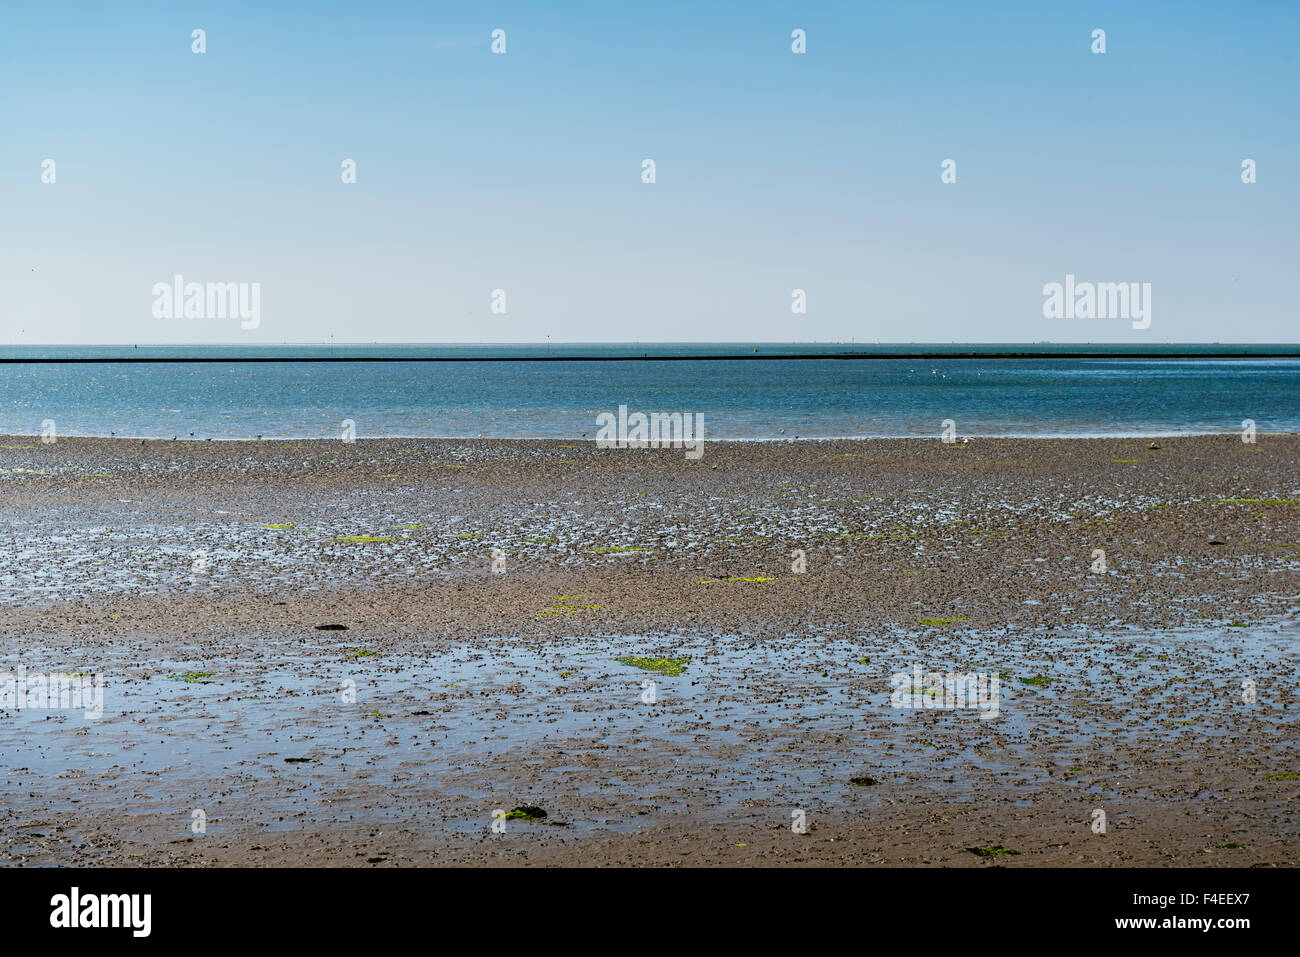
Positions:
{"x": 761, "y": 391}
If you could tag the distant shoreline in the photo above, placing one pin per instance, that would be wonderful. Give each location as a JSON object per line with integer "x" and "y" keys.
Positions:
{"x": 731, "y": 357}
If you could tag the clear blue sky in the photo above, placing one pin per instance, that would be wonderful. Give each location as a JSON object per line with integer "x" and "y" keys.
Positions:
{"x": 775, "y": 171}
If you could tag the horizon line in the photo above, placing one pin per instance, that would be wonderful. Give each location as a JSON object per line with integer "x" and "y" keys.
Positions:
{"x": 646, "y": 357}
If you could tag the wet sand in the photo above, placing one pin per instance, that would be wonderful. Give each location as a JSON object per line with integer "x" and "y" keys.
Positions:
{"x": 475, "y": 691}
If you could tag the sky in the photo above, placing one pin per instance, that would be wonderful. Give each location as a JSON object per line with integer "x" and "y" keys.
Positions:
{"x": 522, "y": 171}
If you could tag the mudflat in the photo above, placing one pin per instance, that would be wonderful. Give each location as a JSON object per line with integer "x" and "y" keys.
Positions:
{"x": 367, "y": 653}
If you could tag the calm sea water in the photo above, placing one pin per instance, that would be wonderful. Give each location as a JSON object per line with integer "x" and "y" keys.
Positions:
{"x": 739, "y": 399}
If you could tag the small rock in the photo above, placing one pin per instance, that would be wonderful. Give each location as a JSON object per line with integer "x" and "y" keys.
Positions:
{"x": 1153, "y": 446}
{"x": 331, "y": 627}
{"x": 1215, "y": 540}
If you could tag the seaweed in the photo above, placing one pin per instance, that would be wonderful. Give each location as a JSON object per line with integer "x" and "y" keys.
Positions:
{"x": 670, "y": 667}
{"x": 994, "y": 850}
{"x": 526, "y": 812}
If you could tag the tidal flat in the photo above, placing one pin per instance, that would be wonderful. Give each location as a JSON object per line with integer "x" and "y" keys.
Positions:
{"x": 358, "y": 653}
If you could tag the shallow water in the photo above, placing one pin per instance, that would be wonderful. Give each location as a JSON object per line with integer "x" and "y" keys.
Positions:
{"x": 444, "y": 738}
{"x": 739, "y": 399}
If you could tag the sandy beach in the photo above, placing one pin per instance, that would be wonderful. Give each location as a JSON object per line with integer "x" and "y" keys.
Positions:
{"x": 773, "y": 588}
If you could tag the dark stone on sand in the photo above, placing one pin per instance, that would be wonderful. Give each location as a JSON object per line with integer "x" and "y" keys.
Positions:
{"x": 331, "y": 627}
{"x": 863, "y": 781}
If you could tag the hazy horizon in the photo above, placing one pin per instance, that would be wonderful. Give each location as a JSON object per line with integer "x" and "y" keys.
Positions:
{"x": 652, "y": 342}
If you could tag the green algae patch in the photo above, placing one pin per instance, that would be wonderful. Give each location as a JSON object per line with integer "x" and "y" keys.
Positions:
{"x": 993, "y": 850}
{"x": 567, "y": 605}
{"x": 410, "y": 526}
{"x": 617, "y": 549}
{"x": 940, "y": 621}
{"x": 469, "y": 534}
{"x": 361, "y": 539}
{"x": 1037, "y": 681}
{"x": 863, "y": 781}
{"x": 539, "y": 541}
{"x": 282, "y": 527}
{"x": 362, "y": 653}
{"x": 193, "y": 677}
{"x": 1125, "y": 461}
{"x": 669, "y": 667}
{"x": 526, "y": 812}
{"x": 1283, "y": 776}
